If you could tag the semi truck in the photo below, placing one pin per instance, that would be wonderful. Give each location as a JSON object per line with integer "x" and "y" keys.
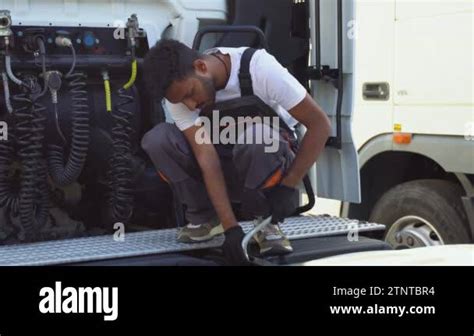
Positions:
{"x": 412, "y": 120}
{"x": 76, "y": 188}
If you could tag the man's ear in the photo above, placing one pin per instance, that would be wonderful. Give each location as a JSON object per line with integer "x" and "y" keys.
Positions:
{"x": 200, "y": 66}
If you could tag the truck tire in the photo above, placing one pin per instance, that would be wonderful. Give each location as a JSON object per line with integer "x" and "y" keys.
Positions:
{"x": 422, "y": 213}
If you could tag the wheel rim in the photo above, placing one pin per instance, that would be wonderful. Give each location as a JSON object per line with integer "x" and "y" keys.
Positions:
{"x": 412, "y": 232}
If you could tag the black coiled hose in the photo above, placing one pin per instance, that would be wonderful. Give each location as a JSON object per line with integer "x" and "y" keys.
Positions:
{"x": 66, "y": 174}
{"x": 30, "y": 200}
{"x": 120, "y": 172}
{"x": 34, "y": 198}
{"x": 8, "y": 193}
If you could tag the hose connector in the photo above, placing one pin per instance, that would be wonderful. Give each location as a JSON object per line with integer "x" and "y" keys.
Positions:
{"x": 62, "y": 41}
{"x": 53, "y": 81}
{"x": 5, "y": 23}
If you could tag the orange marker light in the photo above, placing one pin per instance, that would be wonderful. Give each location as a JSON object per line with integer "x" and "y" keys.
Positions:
{"x": 402, "y": 138}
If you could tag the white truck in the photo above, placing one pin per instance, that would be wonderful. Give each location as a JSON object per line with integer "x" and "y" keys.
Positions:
{"x": 413, "y": 120}
{"x": 391, "y": 158}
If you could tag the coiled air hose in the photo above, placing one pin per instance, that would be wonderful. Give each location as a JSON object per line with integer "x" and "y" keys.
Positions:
{"x": 120, "y": 178}
{"x": 33, "y": 195}
{"x": 30, "y": 200}
{"x": 8, "y": 195}
{"x": 64, "y": 174}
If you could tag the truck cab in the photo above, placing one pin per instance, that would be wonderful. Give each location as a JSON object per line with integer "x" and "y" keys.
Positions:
{"x": 111, "y": 207}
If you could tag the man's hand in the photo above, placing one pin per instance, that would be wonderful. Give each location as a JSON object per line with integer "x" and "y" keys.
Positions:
{"x": 283, "y": 202}
{"x": 233, "y": 247}
{"x": 209, "y": 163}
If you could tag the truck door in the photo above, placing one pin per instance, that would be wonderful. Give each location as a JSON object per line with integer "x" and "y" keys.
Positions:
{"x": 331, "y": 82}
{"x": 318, "y": 34}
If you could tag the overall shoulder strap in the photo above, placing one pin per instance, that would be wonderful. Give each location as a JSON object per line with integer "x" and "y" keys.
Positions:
{"x": 245, "y": 80}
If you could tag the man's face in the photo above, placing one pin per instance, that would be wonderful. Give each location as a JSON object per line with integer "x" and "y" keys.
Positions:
{"x": 195, "y": 91}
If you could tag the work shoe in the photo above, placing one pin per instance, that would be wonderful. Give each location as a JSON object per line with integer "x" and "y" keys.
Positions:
{"x": 199, "y": 233}
{"x": 272, "y": 241}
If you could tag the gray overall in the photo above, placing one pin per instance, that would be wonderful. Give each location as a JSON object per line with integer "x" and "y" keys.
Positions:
{"x": 247, "y": 167}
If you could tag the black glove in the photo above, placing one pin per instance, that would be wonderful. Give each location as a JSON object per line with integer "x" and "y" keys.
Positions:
{"x": 232, "y": 247}
{"x": 254, "y": 204}
{"x": 283, "y": 202}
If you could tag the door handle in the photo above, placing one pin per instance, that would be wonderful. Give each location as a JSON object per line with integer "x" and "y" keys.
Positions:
{"x": 376, "y": 91}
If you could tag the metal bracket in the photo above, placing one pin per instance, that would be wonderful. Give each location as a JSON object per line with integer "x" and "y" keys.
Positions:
{"x": 324, "y": 73}
{"x": 334, "y": 142}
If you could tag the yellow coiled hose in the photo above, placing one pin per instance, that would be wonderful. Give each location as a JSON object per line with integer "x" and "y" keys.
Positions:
{"x": 128, "y": 85}
{"x": 133, "y": 76}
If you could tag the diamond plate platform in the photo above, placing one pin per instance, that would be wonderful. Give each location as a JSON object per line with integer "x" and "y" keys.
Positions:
{"x": 159, "y": 242}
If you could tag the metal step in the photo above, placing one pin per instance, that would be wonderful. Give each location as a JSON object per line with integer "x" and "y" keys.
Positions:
{"x": 160, "y": 241}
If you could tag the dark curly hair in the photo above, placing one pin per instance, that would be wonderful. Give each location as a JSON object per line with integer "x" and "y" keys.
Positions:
{"x": 167, "y": 61}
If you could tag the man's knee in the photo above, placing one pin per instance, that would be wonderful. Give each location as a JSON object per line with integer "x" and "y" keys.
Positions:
{"x": 160, "y": 138}
{"x": 170, "y": 153}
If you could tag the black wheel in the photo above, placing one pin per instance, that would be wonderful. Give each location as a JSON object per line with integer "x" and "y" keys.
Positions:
{"x": 422, "y": 213}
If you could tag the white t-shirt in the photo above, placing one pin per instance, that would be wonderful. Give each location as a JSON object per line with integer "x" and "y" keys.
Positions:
{"x": 271, "y": 82}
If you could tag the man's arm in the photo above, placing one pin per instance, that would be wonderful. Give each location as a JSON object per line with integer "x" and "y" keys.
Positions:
{"x": 209, "y": 162}
{"x": 318, "y": 131}
{"x": 276, "y": 83}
